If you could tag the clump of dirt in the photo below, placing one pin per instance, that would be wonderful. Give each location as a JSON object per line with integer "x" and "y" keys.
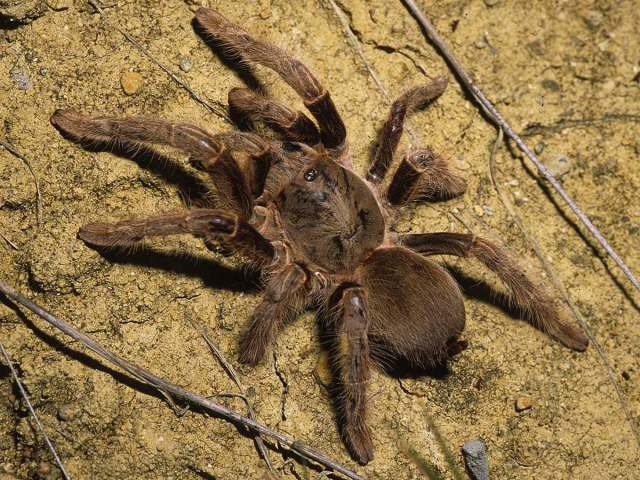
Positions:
{"x": 562, "y": 74}
{"x": 20, "y": 11}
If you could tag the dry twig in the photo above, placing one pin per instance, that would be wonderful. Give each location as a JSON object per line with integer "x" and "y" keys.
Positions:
{"x": 446, "y": 451}
{"x": 24, "y": 159}
{"x": 357, "y": 48}
{"x": 491, "y": 111}
{"x": 355, "y": 45}
{"x": 202, "y": 330}
{"x": 178, "y": 392}
{"x": 13, "y": 245}
{"x": 25, "y": 397}
{"x": 607, "y": 118}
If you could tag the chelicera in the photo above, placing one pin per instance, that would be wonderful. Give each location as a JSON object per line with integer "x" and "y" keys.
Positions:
{"x": 319, "y": 232}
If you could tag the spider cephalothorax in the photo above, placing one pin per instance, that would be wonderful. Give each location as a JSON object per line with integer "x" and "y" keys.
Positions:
{"x": 319, "y": 232}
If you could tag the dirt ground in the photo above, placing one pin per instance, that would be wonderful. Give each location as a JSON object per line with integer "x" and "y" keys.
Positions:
{"x": 561, "y": 72}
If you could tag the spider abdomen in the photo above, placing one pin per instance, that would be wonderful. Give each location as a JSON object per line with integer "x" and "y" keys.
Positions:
{"x": 416, "y": 307}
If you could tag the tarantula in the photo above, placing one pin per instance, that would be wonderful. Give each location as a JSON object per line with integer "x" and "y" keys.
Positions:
{"x": 319, "y": 232}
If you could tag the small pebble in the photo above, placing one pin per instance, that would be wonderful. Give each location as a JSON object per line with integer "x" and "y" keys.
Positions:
{"x": 523, "y": 403}
{"x": 44, "y": 469}
{"x": 593, "y": 19}
{"x": 462, "y": 164}
{"x": 558, "y": 165}
{"x": 475, "y": 458}
{"x": 22, "y": 80}
{"x": 66, "y": 412}
{"x": 477, "y": 209}
{"x": 557, "y": 61}
{"x": 186, "y": 64}
{"x": 131, "y": 82}
{"x": 551, "y": 85}
{"x": 488, "y": 211}
{"x": 519, "y": 198}
{"x": 491, "y": 3}
{"x": 539, "y": 148}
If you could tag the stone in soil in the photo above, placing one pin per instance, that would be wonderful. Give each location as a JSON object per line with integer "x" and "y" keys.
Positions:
{"x": 131, "y": 82}
{"x": 475, "y": 459}
{"x": 523, "y": 403}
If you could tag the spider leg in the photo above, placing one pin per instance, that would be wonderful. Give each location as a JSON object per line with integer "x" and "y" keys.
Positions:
{"x": 284, "y": 298}
{"x": 353, "y": 373}
{"x": 202, "y": 222}
{"x": 540, "y": 308}
{"x": 234, "y": 192}
{"x": 237, "y": 187}
{"x": 295, "y": 73}
{"x": 424, "y": 175}
{"x": 193, "y": 140}
{"x": 394, "y": 125}
{"x": 293, "y": 125}
{"x": 455, "y": 346}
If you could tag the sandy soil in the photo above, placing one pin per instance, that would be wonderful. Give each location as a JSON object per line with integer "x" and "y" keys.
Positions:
{"x": 560, "y": 71}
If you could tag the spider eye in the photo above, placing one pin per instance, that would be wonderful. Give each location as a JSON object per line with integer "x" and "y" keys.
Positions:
{"x": 310, "y": 175}
{"x": 424, "y": 158}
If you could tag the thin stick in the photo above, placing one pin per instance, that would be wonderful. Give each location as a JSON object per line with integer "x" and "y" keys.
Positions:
{"x": 356, "y": 46}
{"x": 13, "y": 245}
{"x": 24, "y": 159}
{"x": 444, "y": 447}
{"x": 546, "y": 264}
{"x": 434, "y": 36}
{"x": 220, "y": 112}
{"x": 539, "y": 129}
{"x": 202, "y": 330}
{"x": 176, "y": 391}
{"x": 25, "y": 397}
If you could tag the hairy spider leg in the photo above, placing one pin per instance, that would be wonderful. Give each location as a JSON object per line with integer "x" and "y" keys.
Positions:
{"x": 540, "y": 308}
{"x": 316, "y": 98}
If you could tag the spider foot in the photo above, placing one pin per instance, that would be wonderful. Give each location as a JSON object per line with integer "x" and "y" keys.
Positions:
{"x": 357, "y": 436}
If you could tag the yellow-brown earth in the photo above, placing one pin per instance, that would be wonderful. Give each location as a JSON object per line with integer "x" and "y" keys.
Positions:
{"x": 567, "y": 68}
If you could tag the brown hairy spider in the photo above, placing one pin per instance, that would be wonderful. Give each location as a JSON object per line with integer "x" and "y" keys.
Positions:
{"x": 320, "y": 233}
